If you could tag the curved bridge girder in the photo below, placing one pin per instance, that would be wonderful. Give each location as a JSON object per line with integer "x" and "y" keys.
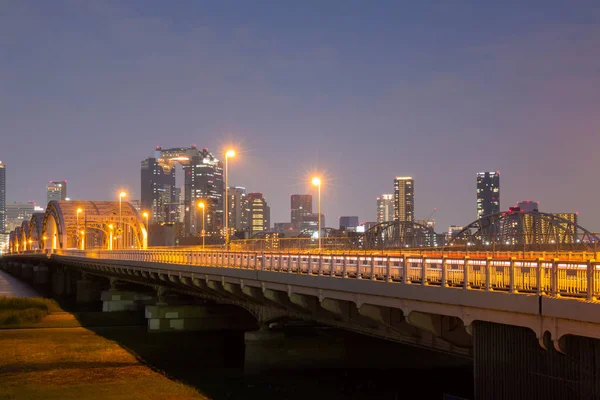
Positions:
{"x": 69, "y": 224}
{"x": 401, "y": 234}
{"x": 531, "y": 230}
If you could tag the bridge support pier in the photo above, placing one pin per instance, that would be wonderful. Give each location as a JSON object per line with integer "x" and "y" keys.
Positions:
{"x": 203, "y": 317}
{"x": 58, "y": 282}
{"x": 27, "y": 272}
{"x": 115, "y": 300}
{"x": 40, "y": 275}
{"x": 509, "y": 363}
{"x": 88, "y": 291}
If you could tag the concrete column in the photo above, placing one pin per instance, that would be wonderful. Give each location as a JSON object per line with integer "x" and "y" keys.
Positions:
{"x": 510, "y": 364}
{"x": 204, "y": 317}
{"x": 58, "y": 282}
{"x": 87, "y": 291}
{"x": 40, "y": 275}
{"x": 27, "y": 272}
{"x": 116, "y": 300}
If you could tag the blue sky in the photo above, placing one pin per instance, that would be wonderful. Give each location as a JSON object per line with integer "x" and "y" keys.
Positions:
{"x": 360, "y": 91}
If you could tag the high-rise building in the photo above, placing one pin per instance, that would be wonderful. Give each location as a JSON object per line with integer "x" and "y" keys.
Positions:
{"x": 301, "y": 207}
{"x": 203, "y": 181}
{"x": 453, "y": 230}
{"x": 528, "y": 205}
{"x": 158, "y": 189}
{"x": 2, "y": 197}
{"x": 178, "y": 211}
{"x": 260, "y": 213}
{"x": 235, "y": 208}
{"x": 404, "y": 199}
{"x": 385, "y": 208}
{"x": 16, "y": 213}
{"x": 488, "y": 193}
{"x": 347, "y": 222}
{"x": 311, "y": 222}
{"x": 56, "y": 190}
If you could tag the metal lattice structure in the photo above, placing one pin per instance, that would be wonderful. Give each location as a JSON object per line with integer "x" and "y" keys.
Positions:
{"x": 524, "y": 231}
{"x": 36, "y": 226}
{"x": 81, "y": 224}
{"x": 401, "y": 234}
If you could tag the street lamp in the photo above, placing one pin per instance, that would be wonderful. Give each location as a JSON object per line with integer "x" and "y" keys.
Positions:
{"x": 145, "y": 215}
{"x": 110, "y": 236}
{"x": 230, "y": 153}
{"x": 121, "y": 195}
{"x": 202, "y": 205}
{"x": 317, "y": 182}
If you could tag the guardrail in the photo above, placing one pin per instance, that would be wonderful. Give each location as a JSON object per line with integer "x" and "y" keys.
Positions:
{"x": 580, "y": 279}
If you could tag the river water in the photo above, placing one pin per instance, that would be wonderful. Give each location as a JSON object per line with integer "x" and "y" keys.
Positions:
{"x": 214, "y": 364}
{"x": 12, "y": 287}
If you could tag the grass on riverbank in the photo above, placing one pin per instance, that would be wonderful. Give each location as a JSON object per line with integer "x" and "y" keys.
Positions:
{"x": 75, "y": 363}
{"x": 17, "y": 310}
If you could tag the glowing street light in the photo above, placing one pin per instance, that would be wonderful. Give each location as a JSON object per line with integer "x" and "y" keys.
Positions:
{"x": 121, "y": 195}
{"x": 110, "y": 236}
{"x": 145, "y": 215}
{"x": 202, "y": 205}
{"x": 229, "y": 153}
{"x": 317, "y": 182}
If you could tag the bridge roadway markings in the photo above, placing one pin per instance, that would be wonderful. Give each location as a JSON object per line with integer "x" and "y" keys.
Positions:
{"x": 560, "y": 316}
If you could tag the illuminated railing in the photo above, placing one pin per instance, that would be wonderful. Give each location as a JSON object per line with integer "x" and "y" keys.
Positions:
{"x": 534, "y": 276}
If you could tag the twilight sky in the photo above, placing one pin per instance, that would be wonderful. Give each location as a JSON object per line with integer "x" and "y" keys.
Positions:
{"x": 360, "y": 90}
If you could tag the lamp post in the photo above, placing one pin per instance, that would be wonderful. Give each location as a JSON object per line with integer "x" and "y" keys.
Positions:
{"x": 201, "y": 205}
{"x": 110, "y": 237}
{"x": 317, "y": 182}
{"x": 79, "y": 210}
{"x": 229, "y": 153}
{"x": 120, "y": 229}
{"x": 145, "y": 215}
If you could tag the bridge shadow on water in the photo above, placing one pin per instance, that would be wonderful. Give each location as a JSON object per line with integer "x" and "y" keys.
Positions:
{"x": 213, "y": 363}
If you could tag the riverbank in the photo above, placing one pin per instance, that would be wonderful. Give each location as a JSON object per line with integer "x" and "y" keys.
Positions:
{"x": 55, "y": 359}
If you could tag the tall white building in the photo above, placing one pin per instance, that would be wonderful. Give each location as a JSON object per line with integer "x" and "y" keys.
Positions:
{"x": 385, "y": 208}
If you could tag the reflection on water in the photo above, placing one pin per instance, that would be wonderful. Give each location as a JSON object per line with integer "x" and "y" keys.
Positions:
{"x": 12, "y": 287}
{"x": 371, "y": 369}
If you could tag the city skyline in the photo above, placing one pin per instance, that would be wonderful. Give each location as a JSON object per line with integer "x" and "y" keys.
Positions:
{"x": 321, "y": 101}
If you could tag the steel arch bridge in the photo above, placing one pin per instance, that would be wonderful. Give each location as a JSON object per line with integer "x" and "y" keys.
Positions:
{"x": 81, "y": 224}
{"x": 400, "y": 234}
{"x": 524, "y": 230}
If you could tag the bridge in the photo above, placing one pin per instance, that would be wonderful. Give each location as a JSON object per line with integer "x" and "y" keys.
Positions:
{"x": 527, "y": 315}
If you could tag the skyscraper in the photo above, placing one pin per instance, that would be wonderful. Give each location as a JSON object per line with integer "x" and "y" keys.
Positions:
{"x": 236, "y": 206}
{"x": 56, "y": 190}
{"x": 16, "y": 213}
{"x": 158, "y": 189}
{"x": 260, "y": 213}
{"x": 404, "y": 199}
{"x": 203, "y": 180}
{"x": 385, "y": 208}
{"x": 488, "y": 193}
{"x": 301, "y": 208}
{"x": 2, "y": 197}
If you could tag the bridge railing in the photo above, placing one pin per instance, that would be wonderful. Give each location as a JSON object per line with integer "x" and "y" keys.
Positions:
{"x": 554, "y": 277}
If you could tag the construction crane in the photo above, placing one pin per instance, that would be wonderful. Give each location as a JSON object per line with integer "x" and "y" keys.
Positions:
{"x": 429, "y": 220}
